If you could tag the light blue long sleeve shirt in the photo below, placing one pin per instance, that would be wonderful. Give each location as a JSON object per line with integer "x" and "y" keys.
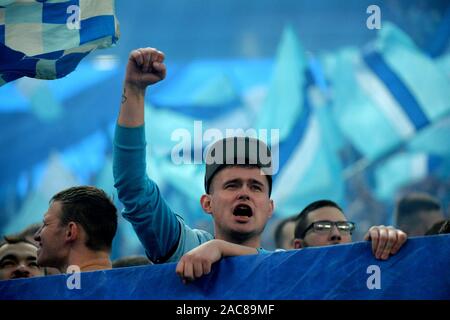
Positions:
{"x": 164, "y": 235}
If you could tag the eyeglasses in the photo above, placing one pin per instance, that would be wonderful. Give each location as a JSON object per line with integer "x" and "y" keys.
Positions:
{"x": 325, "y": 226}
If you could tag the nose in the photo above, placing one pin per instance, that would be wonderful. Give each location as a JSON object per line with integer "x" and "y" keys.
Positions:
{"x": 243, "y": 194}
{"x": 37, "y": 235}
{"x": 335, "y": 235}
{"x": 21, "y": 272}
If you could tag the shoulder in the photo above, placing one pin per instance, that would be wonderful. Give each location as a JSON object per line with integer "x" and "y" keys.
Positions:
{"x": 189, "y": 239}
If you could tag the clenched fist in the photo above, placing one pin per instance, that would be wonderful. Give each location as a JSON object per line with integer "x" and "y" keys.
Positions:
{"x": 145, "y": 67}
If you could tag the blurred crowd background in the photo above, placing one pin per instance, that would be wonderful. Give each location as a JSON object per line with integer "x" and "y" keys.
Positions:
{"x": 363, "y": 114}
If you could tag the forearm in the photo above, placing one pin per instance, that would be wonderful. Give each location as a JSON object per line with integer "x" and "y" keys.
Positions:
{"x": 132, "y": 106}
{"x": 229, "y": 249}
{"x": 145, "y": 67}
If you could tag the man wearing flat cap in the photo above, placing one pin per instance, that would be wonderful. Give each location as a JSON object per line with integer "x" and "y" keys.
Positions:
{"x": 238, "y": 184}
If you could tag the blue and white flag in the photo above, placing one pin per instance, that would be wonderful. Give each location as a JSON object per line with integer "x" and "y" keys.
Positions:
{"x": 46, "y": 39}
{"x": 433, "y": 140}
{"x": 388, "y": 93}
{"x": 428, "y": 153}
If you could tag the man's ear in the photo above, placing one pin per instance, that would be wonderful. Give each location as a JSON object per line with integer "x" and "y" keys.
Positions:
{"x": 205, "y": 202}
{"x": 298, "y": 243}
{"x": 72, "y": 232}
{"x": 272, "y": 208}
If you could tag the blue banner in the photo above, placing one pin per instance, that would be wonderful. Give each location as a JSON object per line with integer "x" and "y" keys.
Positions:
{"x": 420, "y": 270}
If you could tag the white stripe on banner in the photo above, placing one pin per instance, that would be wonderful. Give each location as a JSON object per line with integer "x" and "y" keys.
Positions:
{"x": 419, "y": 166}
{"x": 384, "y": 100}
{"x": 301, "y": 160}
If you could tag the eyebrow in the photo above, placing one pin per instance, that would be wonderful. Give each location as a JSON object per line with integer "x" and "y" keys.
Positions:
{"x": 239, "y": 180}
{"x": 14, "y": 257}
{"x": 9, "y": 257}
{"x": 236, "y": 180}
{"x": 256, "y": 182}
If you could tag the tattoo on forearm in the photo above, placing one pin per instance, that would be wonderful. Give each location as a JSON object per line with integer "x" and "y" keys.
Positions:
{"x": 124, "y": 97}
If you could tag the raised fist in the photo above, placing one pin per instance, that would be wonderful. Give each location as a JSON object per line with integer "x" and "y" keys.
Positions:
{"x": 145, "y": 67}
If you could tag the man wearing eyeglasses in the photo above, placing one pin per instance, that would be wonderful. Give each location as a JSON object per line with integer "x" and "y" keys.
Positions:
{"x": 323, "y": 223}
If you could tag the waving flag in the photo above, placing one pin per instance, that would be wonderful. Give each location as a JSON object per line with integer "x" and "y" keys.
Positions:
{"x": 388, "y": 93}
{"x": 46, "y": 39}
{"x": 283, "y": 104}
{"x": 309, "y": 166}
{"x": 426, "y": 154}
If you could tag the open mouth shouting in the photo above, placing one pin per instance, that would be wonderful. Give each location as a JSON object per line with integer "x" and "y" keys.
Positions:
{"x": 242, "y": 212}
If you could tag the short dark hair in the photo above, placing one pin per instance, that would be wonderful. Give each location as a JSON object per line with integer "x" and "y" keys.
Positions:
{"x": 302, "y": 218}
{"x": 278, "y": 233}
{"x": 93, "y": 210}
{"x": 413, "y": 203}
{"x": 440, "y": 227}
{"x": 14, "y": 239}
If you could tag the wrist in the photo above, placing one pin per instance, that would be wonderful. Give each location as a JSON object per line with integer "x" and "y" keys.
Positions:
{"x": 220, "y": 245}
{"x": 134, "y": 90}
